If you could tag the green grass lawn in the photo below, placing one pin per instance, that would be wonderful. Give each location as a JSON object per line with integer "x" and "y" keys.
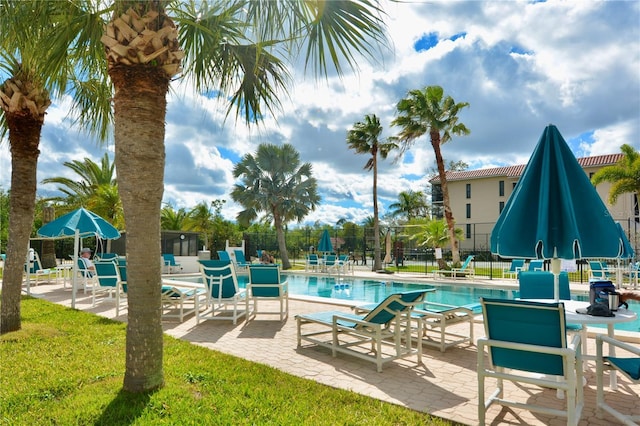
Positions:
{"x": 65, "y": 367}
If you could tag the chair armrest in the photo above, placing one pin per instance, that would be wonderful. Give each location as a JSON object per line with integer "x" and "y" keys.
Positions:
{"x": 600, "y": 339}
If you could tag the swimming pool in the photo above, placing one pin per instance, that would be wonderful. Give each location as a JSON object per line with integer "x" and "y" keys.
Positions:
{"x": 373, "y": 291}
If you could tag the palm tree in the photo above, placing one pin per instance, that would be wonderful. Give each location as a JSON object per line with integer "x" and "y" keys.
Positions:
{"x": 200, "y": 218}
{"x": 364, "y": 139}
{"x": 432, "y": 233}
{"x": 429, "y": 111}
{"x": 411, "y": 204}
{"x": 95, "y": 188}
{"x": 624, "y": 176}
{"x": 171, "y": 219}
{"x": 275, "y": 183}
{"x": 240, "y": 49}
{"x": 40, "y": 64}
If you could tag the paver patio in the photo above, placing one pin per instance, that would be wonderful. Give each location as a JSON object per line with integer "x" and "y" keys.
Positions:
{"x": 445, "y": 384}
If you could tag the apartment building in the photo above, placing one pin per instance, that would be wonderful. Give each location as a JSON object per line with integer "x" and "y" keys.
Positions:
{"x": 479, "y": 196}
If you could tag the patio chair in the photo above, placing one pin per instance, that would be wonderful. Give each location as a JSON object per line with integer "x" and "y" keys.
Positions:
{"x": 312, "y": 263}
{"x": 265, "y": 284}
{"x": 224, "y": 298}
{"x": 598, "y": 271}
{"x": 523, "y": 338}
{"x": 87, "y": 276}
{"x": 330, "y": 262}
{"x": 35, "y": 269}
{"x": 364, "y": 336}
{"x": 180, "y": 299}
{"x": 344, "y": 264}
{"x": 536, "y": 265}
{"x": 224, "y": 255}
{"x": 463, "y": 271}
{"x": 628, "y": 366}
{"x": 109, "y": 284}
{"x": 241, "y": 261}
{"x": 170, "y": 263}
{"x": 514, "y": 269}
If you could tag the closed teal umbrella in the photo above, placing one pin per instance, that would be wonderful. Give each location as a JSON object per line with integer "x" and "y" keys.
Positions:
{"x": 554, "y": 211}
{"x": 325, "y": 245}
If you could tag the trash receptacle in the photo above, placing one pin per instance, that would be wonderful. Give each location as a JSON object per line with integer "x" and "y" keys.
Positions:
{"x": 204, "y": 255}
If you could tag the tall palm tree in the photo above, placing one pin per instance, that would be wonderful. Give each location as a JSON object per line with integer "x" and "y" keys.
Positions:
{"x": 430, "y": 111}
{"x": 411, "y": 204}
{"x": 40, "y": 64}
{"x": 624, "y": 176}
{"x": 274, "y": 182}
{"x": 363, "y": 138}
{"x": 241, "y": 49}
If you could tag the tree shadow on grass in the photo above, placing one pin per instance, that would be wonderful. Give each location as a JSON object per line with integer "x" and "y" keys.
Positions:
{"x": 126, "y": 408}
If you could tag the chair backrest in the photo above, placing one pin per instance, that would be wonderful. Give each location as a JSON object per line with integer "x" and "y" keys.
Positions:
{"x": 169, "y": 259}
{"x": 539, "y": 285}
{"x": 536, "y": 265}
{"x": 343, "y": 258}
{"x": 330, "y": 259}
{"x": 219, "y": 277}
{"x": 82, "y": 268}
{"x": 312, "y": 259}
{"x": 123, "y": 272}
{"x": 224, "y": 255}
{"x": 597, "y": 269}
{"x": 266, "y": 275}
{"x": 34, "y": 266}
{"x": 516, "y": 265}
{"x": 108, "y": 256}
{"x": 394, "y": 305}
{"x": 532, "y": 323}
{"x": 109, "y": 275}
{"x": 467, "y": 261}
{"x": 240, "y": 256}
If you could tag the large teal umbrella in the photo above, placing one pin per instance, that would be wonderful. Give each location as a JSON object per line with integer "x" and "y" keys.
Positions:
{"x": 325, "y": 245}
{"x": 78, "y": 224}
{"x": 554, "y": 211}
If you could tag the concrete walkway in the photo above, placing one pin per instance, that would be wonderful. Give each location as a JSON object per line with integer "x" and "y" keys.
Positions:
{"x": 445, "y": 385}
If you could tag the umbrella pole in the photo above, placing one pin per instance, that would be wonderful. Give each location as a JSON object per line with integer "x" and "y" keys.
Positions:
{"x": 76, "y": 249}
{"x": 555, "y": 270}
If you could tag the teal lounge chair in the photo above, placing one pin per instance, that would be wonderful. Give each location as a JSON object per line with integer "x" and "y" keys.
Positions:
{"x": 36, "y": 270}
{"x": 598, "y": 271}
{"x": 527, "y": 337}
{"x": 241, "y": 261}
{"x": 626, "y": 361}
{"x": 265, "y": 284}
{"x": 463, "y": 271}
{"x": 514, "y": 269}
{"x": 181, "y": 298}
{"x": 312, "y": 263}
{"x": 170, "y": 263}
{"x": 225, "y": 300}
{"x": 536, "y": 265}
{"x": 368, "y": 336}
{"x": 224, "y": 255}
{"x": 109, "y": 285}
{"x": 329, "y": 262}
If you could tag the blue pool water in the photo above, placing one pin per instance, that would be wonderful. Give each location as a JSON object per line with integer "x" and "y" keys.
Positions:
{"x": 373, "y": 291}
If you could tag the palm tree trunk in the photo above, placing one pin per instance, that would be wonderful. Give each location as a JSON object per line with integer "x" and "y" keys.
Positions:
{"x": 448, "y": 214}
{"x": 24, "y": 163}
{"x": 139, "y": 115}
{"x": 282, "y": 243}
{"x": 377, "y": 262}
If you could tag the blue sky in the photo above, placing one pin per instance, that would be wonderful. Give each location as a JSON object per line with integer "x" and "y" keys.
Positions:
{"x": 520, "y": 65}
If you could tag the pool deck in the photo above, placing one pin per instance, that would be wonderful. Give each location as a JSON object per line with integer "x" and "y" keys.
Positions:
{"x": 445, "y": 385}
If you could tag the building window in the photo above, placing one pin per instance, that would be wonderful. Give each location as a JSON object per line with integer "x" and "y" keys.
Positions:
{"x": 468, "y": 190}
{"x": 501, "y": 207}
{"x": 501, "y": 188}
{"x": 468, "y": 236}
{"x": 468, "y": 211}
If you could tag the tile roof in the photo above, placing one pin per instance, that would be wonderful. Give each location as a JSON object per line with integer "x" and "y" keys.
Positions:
{"x": 516, "y": 171}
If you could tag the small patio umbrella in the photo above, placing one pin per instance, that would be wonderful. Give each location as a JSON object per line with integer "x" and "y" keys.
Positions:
{"x": 325, "y": 245}
{"x": 387, "y": 248}
{"x": 555, "y": 212}
{"x": 79, "y": 223}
